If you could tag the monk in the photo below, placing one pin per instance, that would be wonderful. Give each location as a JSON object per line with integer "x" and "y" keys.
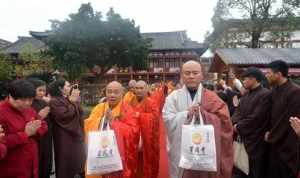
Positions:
{"x": 158, "y": 96}
{"x": 124, "y": 122}
{"x": 148, "y": 112}
{"x": 130, "y": 97}
{"x": 181, "y": 106}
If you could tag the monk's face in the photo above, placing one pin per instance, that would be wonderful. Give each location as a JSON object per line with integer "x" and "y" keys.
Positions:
{"x": 191, "y": 74}
{"x": 114, "y": 92}
{"x": 141, "y": 90}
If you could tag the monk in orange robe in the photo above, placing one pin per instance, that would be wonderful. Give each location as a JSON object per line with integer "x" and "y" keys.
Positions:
{"x": 124, "y": 122}
{"x": 130, "y": 97}
{"x": 148, "y": 112}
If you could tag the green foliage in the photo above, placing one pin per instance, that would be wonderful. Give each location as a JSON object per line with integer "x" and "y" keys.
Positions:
{"x": 32, "y": 61}
{"x": 85, "y": 40}
{"x": 256, "y": 17}
{"x": 6, "y": 68}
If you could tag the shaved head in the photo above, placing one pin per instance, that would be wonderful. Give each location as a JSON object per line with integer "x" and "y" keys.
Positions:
{"x": 141, "y": 83}
{"x": 114, "y": 84}
{"x": 190, "y": 64}
{"x": 141, "y": 90}
{"x": 114, "y": 92}
{"x": 191, "y": 74}
{"x": 131, "y": 85}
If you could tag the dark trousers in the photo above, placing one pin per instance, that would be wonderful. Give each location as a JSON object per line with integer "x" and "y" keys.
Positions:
{"x": 257, "y": 168}
{"x": 258, "y": 163}
{"x": 278, "y": 168}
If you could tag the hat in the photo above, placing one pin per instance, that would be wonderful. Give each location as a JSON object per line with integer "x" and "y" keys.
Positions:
{"x": 254, "y": 73}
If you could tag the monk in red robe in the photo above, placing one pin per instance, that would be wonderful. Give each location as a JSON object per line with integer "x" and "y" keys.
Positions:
{"x": 2, "y": 146}
{"x": 124, "y": 122}
{"x": 22, "y": 127}
{"x": 184, "y": 104}
{"x": 130, "y": 97}
{"x": 158, "y": 96}
{"x": 148, "y": 112}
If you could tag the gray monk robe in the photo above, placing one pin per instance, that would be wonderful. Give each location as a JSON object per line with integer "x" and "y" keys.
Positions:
{"x": 214, "y": 112}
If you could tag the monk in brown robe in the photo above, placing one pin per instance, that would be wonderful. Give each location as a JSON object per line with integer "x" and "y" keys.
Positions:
{"x": 182, "y": 105}
{"x": 124, "y": 122}
{"x": 284, "y": 157}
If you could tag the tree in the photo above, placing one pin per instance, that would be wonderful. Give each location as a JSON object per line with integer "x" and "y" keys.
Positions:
{"x": 6, "y": 68}
{"x": 6, "y": 74}
{"x": 32, "y": 61}
{"x": 85, "y": 40}
{"x": 255, "y": 18}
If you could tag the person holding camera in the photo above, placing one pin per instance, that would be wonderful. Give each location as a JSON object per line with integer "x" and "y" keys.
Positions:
{"x": 68, "y": 134}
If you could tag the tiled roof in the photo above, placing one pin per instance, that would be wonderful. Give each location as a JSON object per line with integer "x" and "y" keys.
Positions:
{"x": 176, "y": 40}
{"x": 246, "y": 56}
{"x": 171, "y": 40}
{"x": 19, "y": 45}
{"x": 4, "y": 43}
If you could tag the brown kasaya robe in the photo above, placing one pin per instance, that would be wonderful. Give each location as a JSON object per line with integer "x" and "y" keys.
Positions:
{"x": 68, "y": 137}
{"x": 215, "y": 112}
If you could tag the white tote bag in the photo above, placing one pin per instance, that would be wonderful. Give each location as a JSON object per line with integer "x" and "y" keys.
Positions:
{"x": 241, "y": 160}
{"x": 198, "y": 147}
{"x": 103, "y": 153}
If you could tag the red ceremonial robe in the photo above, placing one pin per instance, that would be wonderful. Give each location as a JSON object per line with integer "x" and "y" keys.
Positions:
{"x": 149, "y": 124}
{"x": 21, "y": 160}
{"x": 159, "y": 97}
{"x": 126, "y": 128}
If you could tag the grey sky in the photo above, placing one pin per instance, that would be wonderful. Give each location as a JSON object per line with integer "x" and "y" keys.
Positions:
{"x": 17, "y": 17}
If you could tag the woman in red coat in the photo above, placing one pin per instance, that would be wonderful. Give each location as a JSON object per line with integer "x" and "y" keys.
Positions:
{"x": 22, "y": 127}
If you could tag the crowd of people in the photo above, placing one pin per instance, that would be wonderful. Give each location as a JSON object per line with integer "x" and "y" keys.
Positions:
{"x": 39, "y": 120}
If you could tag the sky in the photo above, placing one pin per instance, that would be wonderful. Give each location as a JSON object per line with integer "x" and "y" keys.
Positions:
{"x": 18, "y": 17}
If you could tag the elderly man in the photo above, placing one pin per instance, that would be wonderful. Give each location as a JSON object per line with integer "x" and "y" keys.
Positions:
{"x": 124, "y": 121}
{"x": 181, "y": 106}
{"x": 251, "y": 120}
{"x": 130, "y": 96}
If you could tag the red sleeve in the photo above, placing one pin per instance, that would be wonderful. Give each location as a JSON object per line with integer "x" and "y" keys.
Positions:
{"x": 3, "y": 151}
{"x": 43, "y": 129}
{"x": 15, "y": 139}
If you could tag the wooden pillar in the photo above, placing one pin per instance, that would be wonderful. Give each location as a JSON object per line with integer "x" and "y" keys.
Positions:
{"x": 148, "y": 78}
